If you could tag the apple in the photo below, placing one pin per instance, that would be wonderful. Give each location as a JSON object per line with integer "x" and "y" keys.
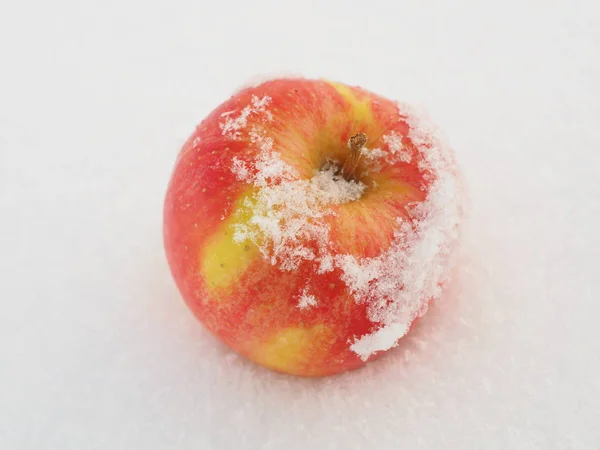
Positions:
{"x": 308, "y": 223}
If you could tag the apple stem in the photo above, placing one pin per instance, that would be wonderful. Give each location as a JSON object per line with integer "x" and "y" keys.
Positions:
{"x": 355, "y": 144}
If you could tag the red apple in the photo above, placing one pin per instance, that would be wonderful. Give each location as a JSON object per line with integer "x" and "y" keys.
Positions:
{"x": 308, "y": 223}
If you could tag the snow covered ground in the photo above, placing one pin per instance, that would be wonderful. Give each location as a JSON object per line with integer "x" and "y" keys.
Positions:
{"x": 97, "y": 350}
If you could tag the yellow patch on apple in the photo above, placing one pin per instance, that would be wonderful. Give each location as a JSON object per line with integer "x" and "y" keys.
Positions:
{"x": 291, "y": 349}
{"x": 223, "y": 260}
{"x": 361, "y": 109}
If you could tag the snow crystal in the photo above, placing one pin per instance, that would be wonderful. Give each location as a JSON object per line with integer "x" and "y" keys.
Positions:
{"x": 396, "y": 152}
{"x": 288, "y": 224}
{"x": 240, "y": 169}
{"x": 326, "y": 264}
{"x": 306, "y": 300}
{"x": 373, "y": 154}
{"x": 382, "y": 339}
{"x": 232, "y": 126}
{"x": 287, "y": 211}
{"x": 397, "y": 284}
{"x": 394, "y": 143}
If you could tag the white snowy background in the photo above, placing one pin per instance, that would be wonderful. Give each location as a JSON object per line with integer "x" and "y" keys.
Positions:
{"x": 98, "y": 351}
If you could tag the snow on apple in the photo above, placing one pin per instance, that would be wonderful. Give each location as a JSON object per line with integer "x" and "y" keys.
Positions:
{"x": 342, "y": 214}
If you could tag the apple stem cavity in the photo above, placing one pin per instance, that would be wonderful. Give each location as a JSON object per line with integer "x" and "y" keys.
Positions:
{"x": 355, "y": 144}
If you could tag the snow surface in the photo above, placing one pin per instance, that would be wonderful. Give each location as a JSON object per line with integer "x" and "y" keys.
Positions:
{"x": 98, "y": 351}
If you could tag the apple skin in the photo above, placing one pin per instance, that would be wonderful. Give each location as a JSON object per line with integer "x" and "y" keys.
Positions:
{"x": 236, "y": 291}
